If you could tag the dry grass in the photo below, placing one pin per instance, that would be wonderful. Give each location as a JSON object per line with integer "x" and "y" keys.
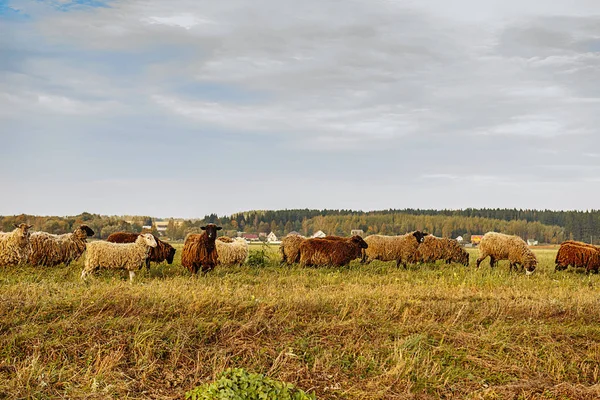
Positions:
{"x": 364, "y": 332}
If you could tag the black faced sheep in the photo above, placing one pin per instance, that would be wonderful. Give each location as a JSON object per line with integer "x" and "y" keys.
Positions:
{"x": 50, "y": 250}
{"x": 402, "y": 249}
{"x": 199, "y": 250}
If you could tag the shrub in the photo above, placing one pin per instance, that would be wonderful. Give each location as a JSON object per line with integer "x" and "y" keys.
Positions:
{"x": 260, "y": 258}
{"x": 239, "y": 384}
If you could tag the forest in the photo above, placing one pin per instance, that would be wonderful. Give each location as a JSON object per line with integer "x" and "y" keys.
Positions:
{"x": 546, "y": 226}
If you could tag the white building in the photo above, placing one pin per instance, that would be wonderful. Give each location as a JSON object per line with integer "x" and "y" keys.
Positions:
{"x": 319, "y": 234}
{"x": 272, "y": 238}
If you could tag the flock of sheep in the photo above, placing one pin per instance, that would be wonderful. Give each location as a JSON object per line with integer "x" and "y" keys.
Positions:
{"x": 202, "y": 252}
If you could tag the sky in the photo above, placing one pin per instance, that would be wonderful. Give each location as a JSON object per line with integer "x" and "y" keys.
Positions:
{"x": 183, "y": 108}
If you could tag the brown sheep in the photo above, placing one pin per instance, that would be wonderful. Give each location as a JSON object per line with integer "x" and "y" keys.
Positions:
{"x": 577, "y": 254}
{"x": 402, "y": 249}
{"x": 225, "y": 239}
{"x": 162, "y": 252}
{"x": 290, "y": 248}
{"x": 336, "y": 252}
{"x": 435, "y": 248}
{"x": 200, "y": 251}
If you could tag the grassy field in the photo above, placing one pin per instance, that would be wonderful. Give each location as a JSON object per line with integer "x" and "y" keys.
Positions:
{"x": 363, "y": 332}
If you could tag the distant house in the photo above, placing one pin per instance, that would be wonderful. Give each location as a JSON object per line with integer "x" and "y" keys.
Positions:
{"x": 161, "y": 226}
{"x": 319, "y": 234}
{"x": 272, "y": 237}
{"x": 532, "y": 242}
{"x": 476, "y": 239}
{"x": 460, "y": 239}
{"x": 252, "y": 237}
{"x": 358, "y": 232}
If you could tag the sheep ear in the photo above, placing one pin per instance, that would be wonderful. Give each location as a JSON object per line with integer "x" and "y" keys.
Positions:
{"x": 29, "y": 226}
{"x": 219, "y": 228}
{"x": 15, "y": 225}
{"x": 203, "y": 228}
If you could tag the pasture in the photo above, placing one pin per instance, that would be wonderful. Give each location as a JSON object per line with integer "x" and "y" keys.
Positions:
{"x": 361, "y": 332}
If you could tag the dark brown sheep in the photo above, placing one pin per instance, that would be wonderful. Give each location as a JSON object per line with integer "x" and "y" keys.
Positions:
{"x": 199, "y": 250}
{"x": 162, "y": 252}
{"x": 577, "y": 254}
{"x": 335, "y": 252}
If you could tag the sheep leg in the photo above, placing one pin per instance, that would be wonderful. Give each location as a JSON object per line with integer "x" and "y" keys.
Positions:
{"x": 148, "y": 264}
{"x": 131, "y": 276}
{"x": 479, "y": 260}
{"x": 84, "y": 275}
{"x": 492, "y": 262}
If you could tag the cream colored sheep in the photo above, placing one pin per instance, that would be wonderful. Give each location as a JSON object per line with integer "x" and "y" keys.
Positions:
{"x": 290, "y": 248}
{"x": 15, "y": 246}
{"x": 402, "y": 249}
{"x": 50, "y": 250}
{"x": 129, "y": 256}
{"x": 499, "y": 246}
{"x": 234, "y": 252}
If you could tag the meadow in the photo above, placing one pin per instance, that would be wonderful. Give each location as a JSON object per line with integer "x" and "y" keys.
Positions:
{"x": 360, "y": 332}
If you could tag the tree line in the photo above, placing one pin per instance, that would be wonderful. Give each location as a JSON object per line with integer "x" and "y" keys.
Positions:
{"x": 545, "y": 226}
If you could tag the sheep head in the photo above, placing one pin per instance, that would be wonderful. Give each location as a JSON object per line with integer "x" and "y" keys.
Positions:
{"x": 22, "y": 232}
{"x": 83, "y": 232}
{"x": 359, "y": 241}
{"x": 170, "y": 255}
{"x": 211, "y": 230}
{"x": 149, "y": 239}
{"x": 420, "y": 236}
{"x": 530, "y": 265}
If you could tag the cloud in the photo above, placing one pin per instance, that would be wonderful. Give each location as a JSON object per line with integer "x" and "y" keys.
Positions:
{"x": 431, "y": 94}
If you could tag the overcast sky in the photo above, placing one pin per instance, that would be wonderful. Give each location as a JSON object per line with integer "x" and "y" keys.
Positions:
{"x": 185, "y": 107}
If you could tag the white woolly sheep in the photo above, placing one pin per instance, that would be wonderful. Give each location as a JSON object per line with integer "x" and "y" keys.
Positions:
{"x": 129, "y": 256}
{"x": 402, "y": 249}
{"x": 499, "y": 246}
{"x": 50, "y": 250}
{"x": 234, "y": 252}
{"x": 15, "y": 246}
